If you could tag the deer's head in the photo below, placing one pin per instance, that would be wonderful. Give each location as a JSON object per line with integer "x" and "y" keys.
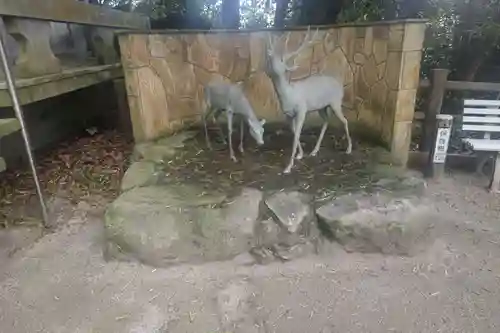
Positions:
{"x": 257, "y": 130}
{"x": 277, "y": 65}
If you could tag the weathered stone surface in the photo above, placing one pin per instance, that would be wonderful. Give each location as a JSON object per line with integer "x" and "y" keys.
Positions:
{"x": 290, "y": 209}
{"x": 150, "y": 151}
{"x": 370, "y": 71}
{"x": 403, "y": 186}
{"x": 267, "y": 232}
{"x": 139, "y": 174}
{"x": 201, "y": 54}
{"x": 401, "y": 138}
{"x": 289, "y": 232}
{"x": 413, "y": 36}
{"x": 35, "y": 53}
{"x": 346, "y": 40}
{"x": 157, "y": 46}
{"x": 380, "y": 50}
{"x": 368, "y": 41}
{"x": 178, "y": 140}
{"x": 134, "y": 50}
{"x": 361, "y": 56}
{"x": 103, "y": 45}
{"x": 396, "y": 37}
{"x": 260, "y": 93}
{"x": 410, "y": 74}
{"x": 379, "y": 96}
{"x": 378, "y": 223}
{"x": 331, "y": 41}
{"x": 405, "y": 104}
{"x": 244, "y": 211}
{"x": 359, "y": 59}
{"x": 393, "y": 71}
{"x": 160, "y": 150}
{"x": 257, "y": 50}
{"x": 131, "y": 82}
{"x": 3, "y": 165}
{"x": 336, "y": 64}
{"x": 154, "y": 116}
{"x": 162, "y": 226}
{"x": 8, "y": 126}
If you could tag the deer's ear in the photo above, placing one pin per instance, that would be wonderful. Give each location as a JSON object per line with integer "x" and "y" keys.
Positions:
{"x": 262, "y": 122}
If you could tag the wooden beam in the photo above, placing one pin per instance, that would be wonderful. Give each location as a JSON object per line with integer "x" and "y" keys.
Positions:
{"x": 473, "y": 86}
{"x": 71, "y": 11}
{"x": 464, "y": 85}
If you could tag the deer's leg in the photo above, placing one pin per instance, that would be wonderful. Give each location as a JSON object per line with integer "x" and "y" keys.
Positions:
{"x": 221, "y": 132}
{"x": 204, "y": 116}
{"x": 242, "y": 132}
{"x": 299, "y": 123}
{"x": 337, "y": 109}
{"x": 230, "y": 134}
{"x": 324, "y": 114}
{"x": 291, "y": 122}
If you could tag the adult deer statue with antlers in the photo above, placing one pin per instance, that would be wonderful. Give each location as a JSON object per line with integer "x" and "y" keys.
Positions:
{"x": 226, "y": 97}
{"x": 316, "y": 93}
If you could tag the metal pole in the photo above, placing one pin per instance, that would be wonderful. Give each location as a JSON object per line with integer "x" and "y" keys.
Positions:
{"x": 19, "y": 114}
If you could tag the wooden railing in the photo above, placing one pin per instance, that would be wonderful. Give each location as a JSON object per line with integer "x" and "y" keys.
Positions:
{"x": 438, "y": 85}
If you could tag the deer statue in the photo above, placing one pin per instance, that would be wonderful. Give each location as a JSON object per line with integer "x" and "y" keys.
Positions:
{"x": 316, "y": 93}
{"x": 222, "y": 96}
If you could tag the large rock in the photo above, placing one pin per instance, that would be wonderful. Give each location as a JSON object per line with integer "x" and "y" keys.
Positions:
{"x": 139, "y": 174}
{"x": 290, "y": 209}
{"x": 378, "y": 223}
{"x": 162, "y": 226}
{"x": 289, "y": 231}
{"x": 162, "y": 149}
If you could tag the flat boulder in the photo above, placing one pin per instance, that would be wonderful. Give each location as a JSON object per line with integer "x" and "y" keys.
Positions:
{"x": 290, "y": 209}
{"x": 167, "y": 225}
{"x": 139, "y": 174}
{"x": 378, "y": 223}
{"x": 159, "y": 151}
{"x": 287, "y": 229}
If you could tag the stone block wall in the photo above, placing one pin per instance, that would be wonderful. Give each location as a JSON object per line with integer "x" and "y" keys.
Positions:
{"x": 378, "y": 64}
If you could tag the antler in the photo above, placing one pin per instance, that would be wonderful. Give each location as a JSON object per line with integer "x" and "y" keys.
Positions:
{"x": 307, "y": 41}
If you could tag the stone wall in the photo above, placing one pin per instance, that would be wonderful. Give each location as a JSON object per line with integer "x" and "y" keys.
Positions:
{"x": 378, "y": 63}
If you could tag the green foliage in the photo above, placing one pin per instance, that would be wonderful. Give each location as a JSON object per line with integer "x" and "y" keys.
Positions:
{"x": 361, "y": 11}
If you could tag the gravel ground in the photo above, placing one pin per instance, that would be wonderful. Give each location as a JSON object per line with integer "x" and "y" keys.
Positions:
{"x": 62, "y": 284}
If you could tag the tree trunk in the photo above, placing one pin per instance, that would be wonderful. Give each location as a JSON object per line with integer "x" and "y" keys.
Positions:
{"x": 230, "y": 14}
{"x": 281, "y": 11}
{"x": 411, "y": 8}
{"x": 319, "y": 12}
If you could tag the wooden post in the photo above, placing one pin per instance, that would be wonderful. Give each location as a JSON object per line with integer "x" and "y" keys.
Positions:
{"x": 495, "y": 178}
{"x": 441, "y": 138}
{"x": 439, "y": 77}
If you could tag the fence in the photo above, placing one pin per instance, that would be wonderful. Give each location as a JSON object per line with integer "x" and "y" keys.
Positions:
{"x": 439, "y": 85}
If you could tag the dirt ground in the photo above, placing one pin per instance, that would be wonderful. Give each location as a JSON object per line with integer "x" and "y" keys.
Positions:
{"x": 261, "y": 167}
{"x": 62, "y": 284}
{"x": 59, "y": 282}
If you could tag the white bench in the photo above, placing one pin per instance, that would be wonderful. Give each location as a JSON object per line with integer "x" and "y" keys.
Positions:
{"x": 483, "y": 116}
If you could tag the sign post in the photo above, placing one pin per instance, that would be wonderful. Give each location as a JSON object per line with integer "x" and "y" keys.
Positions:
{"x": 437, "y": 155}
